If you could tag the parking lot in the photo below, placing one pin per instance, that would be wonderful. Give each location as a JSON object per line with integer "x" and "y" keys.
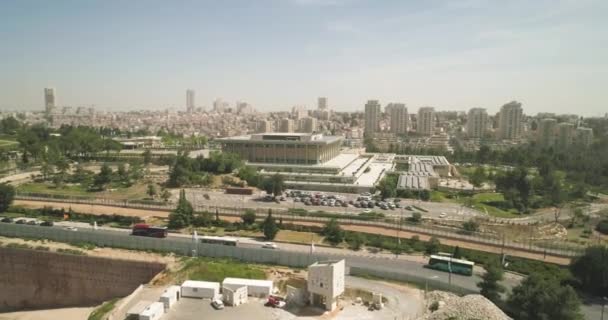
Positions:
{"x": 200, "y": 197}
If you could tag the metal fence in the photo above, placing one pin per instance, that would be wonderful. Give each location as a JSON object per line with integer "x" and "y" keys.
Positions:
{"x": 380, "y": 267}
{"x": 555, "y": 248}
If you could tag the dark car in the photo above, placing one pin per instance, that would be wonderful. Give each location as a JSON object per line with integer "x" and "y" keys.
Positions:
{"x": 370, "y": 205}
{"x": 47, "y": 224}
{"x": 32, "y": 223}
{"x": 20, "y": 221}
{"x": 6, "y": 219}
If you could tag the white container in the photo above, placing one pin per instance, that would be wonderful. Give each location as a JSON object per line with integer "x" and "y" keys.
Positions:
{"x": 170, "y": 296}
{"x": 200, "y": 289}
{"x": 153, "y": 312}
{"x": 255, "y": 288}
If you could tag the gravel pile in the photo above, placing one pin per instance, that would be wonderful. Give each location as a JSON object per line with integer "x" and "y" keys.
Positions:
{"x": 472, "y": 306}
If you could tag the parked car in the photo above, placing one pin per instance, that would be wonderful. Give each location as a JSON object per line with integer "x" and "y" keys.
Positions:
{"x": 20, "y": 221}
{"x": 344, "y": 204}
{"x": 71, "y": 228}
{"x": 32, "y": 223}
{"x": 270, "y": 245}
{"x": 442, "y": 215}
{"x": 217, "y": 304}
{"x": 367, "y": 211}
{"x": 6, "y": 220}
{"x": 47, "y": 224}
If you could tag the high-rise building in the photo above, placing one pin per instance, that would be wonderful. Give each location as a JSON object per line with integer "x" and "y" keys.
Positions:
{"x": 190, "y": 105}
{"x": 545, "y": 134}
{"x": 264, "y": 126}
{"x": 584, "y": 136}
{"x": 399, "y": 118}
{"x": 286, "y": 125}
{"x": 426, "y": 121}
{"x": 477, "y": 123}
{"x": 243, "y": 107}
{"x": 49, "y": 100}
{"x": 372, "y": 115}
{"x": 565, "y": 134}
{"x": 322, "y": 103}
{"x": 510, "y": 120}
{"x": 219, "y": 105}
{"x": 308, "y": 125}
{"x": 299, "y": 112}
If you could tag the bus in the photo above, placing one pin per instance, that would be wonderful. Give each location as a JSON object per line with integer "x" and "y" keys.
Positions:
{"x": 219, "y": 240}
{"x": 449, "y": 264}
{"x": 145, "y": 230}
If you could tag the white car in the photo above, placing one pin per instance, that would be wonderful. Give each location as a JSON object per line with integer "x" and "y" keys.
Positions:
{"x": 443, "y": 215}
{"x": 71, "y": 228}
{"x": 367, "y": 211}
{"x": 217, "y": 304}
{"x": 270, "y": 245}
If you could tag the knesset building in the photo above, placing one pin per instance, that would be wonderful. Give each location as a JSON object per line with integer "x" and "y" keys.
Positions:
{"x": 311, "y": 161}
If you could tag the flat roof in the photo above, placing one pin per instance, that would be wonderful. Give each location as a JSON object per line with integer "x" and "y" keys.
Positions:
{"x": 139, "y": 307}
{"x": 201, "y": 284}
{"x": 413, "y": 182}
{"x": 248, "y": 282}
{"x": 154, "y": 305}
{"x": 289, "y": 137}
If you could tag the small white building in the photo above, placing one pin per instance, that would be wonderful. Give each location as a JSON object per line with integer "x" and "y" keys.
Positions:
{"x": 255, "y": 288}
{"x": 234, "y": 295}
{"x": 326, "y": 282}
{"x": 170, "y": 296}
{"x": 153, "y": 311}
{"x": 200, "y": 289}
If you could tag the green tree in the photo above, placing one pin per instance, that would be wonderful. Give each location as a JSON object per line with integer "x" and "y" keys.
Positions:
{"x": 433, "y": 246}
{"x": 147, "y": 155}
{"x": 490, "y": 285}
{"x": 248, "y": 217}
{"x": 151, "y": 190}
{"x": 183, "y": 213}
{"x": 104, "y": 177}
{"x": 425, "y": 195}
{"x": 269, "y": 227}
{"x": 457, "y": 254}
{"x": 333, "y": 232}
{"x": 416, "y": 217}
{"x": 470, "y": 226}
{"x": 166, "y": 195}
{"x": 7, "y": 195}
{"x": 203, "y": 219}
{"x": 388, "y": 186}
{"x": 591, "y": 270}
{"x": 478, "y": 177}
{"x": 355, "y": 240}
{"x": 543, "y": 298}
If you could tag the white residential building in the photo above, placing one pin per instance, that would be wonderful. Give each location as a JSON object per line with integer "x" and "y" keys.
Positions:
{"x": 477, "y": 123}
{"x": 372, "y": 117}
{"x": 399, "y": 118}
{"x": 326, "y": 283}
{"x": 426, "y": 121}
{"x": 510, "y": 119}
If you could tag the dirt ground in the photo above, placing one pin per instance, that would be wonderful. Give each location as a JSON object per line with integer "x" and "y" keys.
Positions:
{"x": 52, "y": 314}
{"x": 97, "y": 209}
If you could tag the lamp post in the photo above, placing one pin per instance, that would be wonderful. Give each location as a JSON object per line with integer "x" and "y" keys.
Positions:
{"x": 603, "y": 306}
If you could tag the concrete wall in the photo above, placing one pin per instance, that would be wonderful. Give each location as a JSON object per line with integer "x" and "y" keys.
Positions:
{"x": 41, "y": 280}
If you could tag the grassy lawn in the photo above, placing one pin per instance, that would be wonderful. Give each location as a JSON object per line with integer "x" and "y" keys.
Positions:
{"x": 47, "y": 188}
{"x": 134, "y": 192}
{"x": 212, "y": 269}
{"x": 300, "y": 237}
{"x": 437, "y": 196}
{"x": 101, "y": 312}
{"x": 481, "y": 202}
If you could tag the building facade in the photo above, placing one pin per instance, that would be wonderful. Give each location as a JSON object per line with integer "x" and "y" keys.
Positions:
{"x": 190, "y": 100}
{"x": 286, "y": 125}
{"x": 546, "y": 132}
{"x": 284, "y": 148}
{"x": 477, "y": 123}
{"x": 510, "y": 120}
{"x": 426, "y": 121}
{"x": 322, "y": 103}
{"x": 325, "y": 283}
{"x": 399, "y": 118}
{"x": 372, "y": 117}
{"x": 49, "y": 100}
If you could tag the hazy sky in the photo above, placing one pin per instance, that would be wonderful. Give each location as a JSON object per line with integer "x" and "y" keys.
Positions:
{"x": 550, "y": 55}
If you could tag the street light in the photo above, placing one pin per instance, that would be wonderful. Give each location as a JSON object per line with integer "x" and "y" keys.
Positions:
{"x": 604, "y": 299}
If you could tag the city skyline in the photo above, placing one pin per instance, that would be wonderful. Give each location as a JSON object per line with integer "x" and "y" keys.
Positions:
{"x": 118, "y": 56}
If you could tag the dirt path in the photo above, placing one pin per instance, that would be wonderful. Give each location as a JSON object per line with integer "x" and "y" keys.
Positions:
{"x": 53, "y": 314}
{"x": 98, "y": 209}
